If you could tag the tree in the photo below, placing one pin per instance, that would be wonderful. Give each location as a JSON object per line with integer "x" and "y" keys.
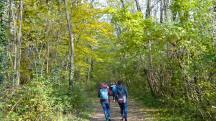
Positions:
{"x": 138, "y": 6}
{"x": 148, "y": 9}
{"x": 71, "y": 47}
{"x": 19, "y": 44}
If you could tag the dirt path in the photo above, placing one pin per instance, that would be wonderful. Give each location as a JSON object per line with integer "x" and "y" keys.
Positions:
{"x": 135, "y": 113}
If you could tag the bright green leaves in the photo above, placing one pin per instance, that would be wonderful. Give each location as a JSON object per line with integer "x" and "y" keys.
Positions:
{"x": 92, "y": 36}
{"x": 45, "y": 35}
{"x": 189, "y": 10}
{"x": 178, "y": 55}
{"x": 182, "y": 8}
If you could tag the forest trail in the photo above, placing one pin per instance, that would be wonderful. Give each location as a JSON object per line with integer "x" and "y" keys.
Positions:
{"x": 136, "y": 112}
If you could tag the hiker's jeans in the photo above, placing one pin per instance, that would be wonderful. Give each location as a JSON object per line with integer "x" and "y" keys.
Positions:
{"x": 106, "y": 109}
{"x": 114, "y": 96}
{"x": 124, "y": 109}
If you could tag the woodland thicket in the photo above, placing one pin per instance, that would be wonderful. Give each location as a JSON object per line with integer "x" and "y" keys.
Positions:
{"x": 53, "y": 54}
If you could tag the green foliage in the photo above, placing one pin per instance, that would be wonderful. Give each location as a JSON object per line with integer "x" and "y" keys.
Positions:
{"x": 67, "y": 102}
{"x": 3, "y": 40}
{"x": 45, "y": 44}
{"x": 42, "y": 100}
{"x": 173, "y": 60}
{"x": 30, "y": 102}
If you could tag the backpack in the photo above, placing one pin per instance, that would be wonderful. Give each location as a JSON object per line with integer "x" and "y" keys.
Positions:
{"x": 104, "y": 93}
{"x": 113, "y": 87}
{"x": 121, "y": 94}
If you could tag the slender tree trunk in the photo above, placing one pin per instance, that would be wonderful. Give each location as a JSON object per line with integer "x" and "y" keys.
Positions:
{"x": 161, "y": 11}
{"x": 148, "y": 9}
{"x": 138, "y": 6}
{"x": 71, "y": 47}
{"x": 19, "y": 44}
{"x": 166, "y": 2}
{"x": 47, "y": 35}
{"x": 47, "y": 58}
{"x": 123, "y": 4}
{"x": 214, "y": 26}
{"x": 90, "y": 69}
{"x": 15, "y": 64}
{"x": 150, "y": 69}
{"x": 10, "y": 40}
{"x": 13, "y": 27}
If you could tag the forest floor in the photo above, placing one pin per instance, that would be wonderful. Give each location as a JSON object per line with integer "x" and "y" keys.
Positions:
{"x": 137, "y": 112}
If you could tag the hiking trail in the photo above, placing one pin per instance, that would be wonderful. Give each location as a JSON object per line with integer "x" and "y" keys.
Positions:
{"x": 136, "y": 112}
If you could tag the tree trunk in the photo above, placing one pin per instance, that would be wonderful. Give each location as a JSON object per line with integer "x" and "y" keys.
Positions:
{"x": 214, "y": 26}
{"x": 161, "y": 11}
{"x": 148, "y": 9}
{"x": 19, "y": 44}
{"x": 150, "y": 69}
{"x": 90, "y": 69}
{"x": 13, "y": 30}
{"x": 71, "y": 47}
{"x": 166, "y": 3}
{"x": 138, "y": 6}
{"x": 123, "y": 4}
{"x": 47, "y": 35}
{"x": 47, "y": 58}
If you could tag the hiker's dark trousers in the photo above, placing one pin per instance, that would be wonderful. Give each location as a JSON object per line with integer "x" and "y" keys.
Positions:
{"x": 106, "y": 109}
{"x": 124, "y": 109}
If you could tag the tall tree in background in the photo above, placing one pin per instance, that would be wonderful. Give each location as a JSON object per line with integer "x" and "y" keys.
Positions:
{"x": 71, "y": 46}
{"x": 138, "y": 5}
{"x": 19, "y": 43}
{"x": 148, "y": 9}
{"x": 161, "y": 10}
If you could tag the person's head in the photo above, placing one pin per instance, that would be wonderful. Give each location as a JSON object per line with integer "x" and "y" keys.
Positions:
{"x": 103, "y": 85}
{"x": 120, "y": 82}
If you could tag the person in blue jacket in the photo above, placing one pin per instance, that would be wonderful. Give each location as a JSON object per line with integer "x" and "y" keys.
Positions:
{"x": 122, "y": 98}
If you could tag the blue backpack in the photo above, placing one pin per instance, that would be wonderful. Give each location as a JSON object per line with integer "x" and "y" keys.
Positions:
{"x": 104, "y": 93}
{"x": 114, "y": 89}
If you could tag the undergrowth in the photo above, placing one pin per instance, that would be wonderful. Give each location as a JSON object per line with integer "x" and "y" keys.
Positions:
{"x": 41, "y": 100}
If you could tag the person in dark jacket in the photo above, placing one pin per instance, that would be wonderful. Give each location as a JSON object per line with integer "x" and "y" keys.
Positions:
{"x": 122, "y": 98}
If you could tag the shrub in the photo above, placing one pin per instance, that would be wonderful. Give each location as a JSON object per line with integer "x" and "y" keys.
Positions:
{"x": 30, "y": 102}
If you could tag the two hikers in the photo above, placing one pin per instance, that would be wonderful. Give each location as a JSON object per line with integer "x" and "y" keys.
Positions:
{"x": 119, "y": 93}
